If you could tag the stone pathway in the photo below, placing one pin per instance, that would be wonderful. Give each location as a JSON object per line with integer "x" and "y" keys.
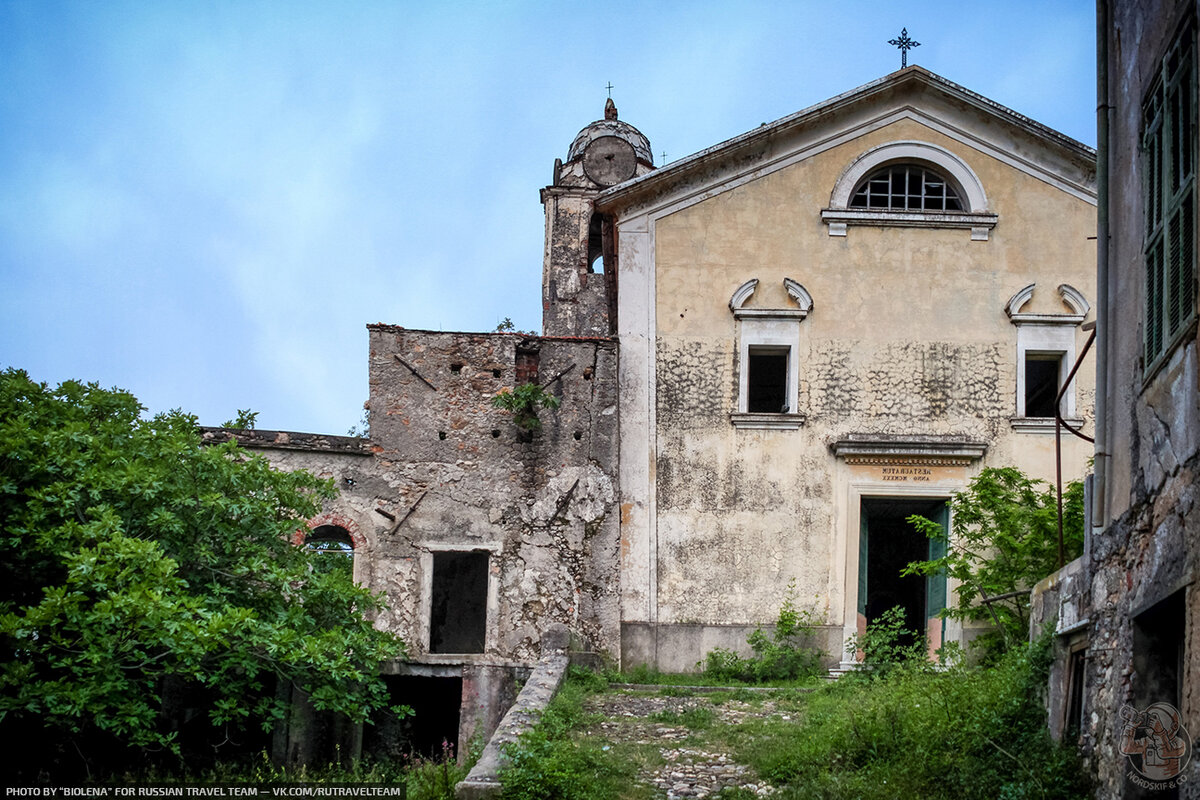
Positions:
{"x": 689, "y": 770}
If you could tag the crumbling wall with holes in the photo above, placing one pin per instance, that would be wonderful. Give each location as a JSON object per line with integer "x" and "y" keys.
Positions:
{"x": 444, "y": 471}
{"x": 452, "y": 473}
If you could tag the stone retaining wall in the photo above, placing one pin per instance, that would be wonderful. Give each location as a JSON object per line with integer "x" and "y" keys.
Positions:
{"x": 484, "y": 779}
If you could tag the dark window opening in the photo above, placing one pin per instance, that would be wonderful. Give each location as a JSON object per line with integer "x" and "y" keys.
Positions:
{"x": 1158, "y": 636}
{"x": 434, "y": 723}
{"x": 595, "y": 245}
{"x": 526, "y": 366}
{"x": 1158, "y": 670}
{"x": 1041, "y": 383}
{"x": 456, "y": 368}
{"x": 1076, "y": 673}
{"x": 906, "y": 187}
{"x": 766, "y": 381}
{"x": 458, "y": 613}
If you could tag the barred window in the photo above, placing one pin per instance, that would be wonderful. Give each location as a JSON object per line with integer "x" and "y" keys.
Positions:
{"x": 1169, "y": 150}
{"x": 906, "y": 187}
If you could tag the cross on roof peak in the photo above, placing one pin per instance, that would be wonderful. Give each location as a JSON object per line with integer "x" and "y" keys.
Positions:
{"x": 905, "y": 44}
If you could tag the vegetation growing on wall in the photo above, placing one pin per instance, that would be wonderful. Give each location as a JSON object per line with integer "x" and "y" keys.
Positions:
{"x": 524, "y": 402}
{"x": 150, "y": 598}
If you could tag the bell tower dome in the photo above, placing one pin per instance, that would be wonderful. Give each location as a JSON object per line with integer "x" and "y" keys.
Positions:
{"x": 579, "y": 268}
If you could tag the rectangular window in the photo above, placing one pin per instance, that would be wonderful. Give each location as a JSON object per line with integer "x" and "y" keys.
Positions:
{"x": 1042, "y": 372}
{"x": 1076, "y": 678}
{"x": 1169, "y": 153}
{"x": 767, "y": 380}
{"x": 458, "y": 611}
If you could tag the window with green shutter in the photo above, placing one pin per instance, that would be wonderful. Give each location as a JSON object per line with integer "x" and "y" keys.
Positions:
{"x": 1169, "y": 148}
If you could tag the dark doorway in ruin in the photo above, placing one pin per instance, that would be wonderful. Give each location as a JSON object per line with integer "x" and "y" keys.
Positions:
{"x": 1158, "y": 668}
{"x": 1158, "y": 635}
{"x": 458, "y": 612}
{"x": 887, "y": 544}
{"x": 428, "y": 731}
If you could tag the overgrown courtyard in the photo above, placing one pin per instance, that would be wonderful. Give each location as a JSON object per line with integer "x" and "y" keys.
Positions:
{"x": 916, "y": 732}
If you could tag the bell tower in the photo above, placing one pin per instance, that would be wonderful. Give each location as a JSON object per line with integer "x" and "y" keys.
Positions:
{"x": 579, "y": 266}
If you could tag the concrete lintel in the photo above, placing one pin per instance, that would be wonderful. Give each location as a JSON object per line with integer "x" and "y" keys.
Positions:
{"x": 908, "y": 446}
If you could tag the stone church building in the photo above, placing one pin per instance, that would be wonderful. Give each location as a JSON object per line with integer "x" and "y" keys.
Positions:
{"x": 768, "y": 354}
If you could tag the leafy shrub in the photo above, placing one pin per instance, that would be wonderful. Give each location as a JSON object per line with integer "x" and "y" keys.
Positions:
{"x": 883, "y": 645}
{"x": 1005, "y": 541}
{"x": 524, "y": 402}
{"x": 784, "y": 654}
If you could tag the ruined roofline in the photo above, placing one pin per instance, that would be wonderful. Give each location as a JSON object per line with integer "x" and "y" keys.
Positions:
{"x": 668, "y": 173}
{"x": 286, "y": 440}
{"x": 386, "y": 328}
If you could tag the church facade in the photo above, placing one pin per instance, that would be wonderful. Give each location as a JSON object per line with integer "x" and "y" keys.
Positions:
{"x": 767, "y": 355}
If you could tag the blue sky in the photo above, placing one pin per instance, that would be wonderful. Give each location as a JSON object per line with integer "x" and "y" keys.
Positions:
{"x": 205, "y": 202}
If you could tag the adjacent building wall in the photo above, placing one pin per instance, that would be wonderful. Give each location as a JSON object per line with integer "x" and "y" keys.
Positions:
{"x": 1144, "y": 557}
{"x": 444, "y": 471}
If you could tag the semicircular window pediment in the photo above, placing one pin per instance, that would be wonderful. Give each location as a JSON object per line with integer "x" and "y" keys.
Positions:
{"x": 906, "y": 187}
{"x": 909, "y": 184}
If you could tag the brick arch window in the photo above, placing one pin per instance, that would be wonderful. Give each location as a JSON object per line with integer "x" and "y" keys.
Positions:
{"x": 906, "y": 187}
{"x": 330, "y": 540}
{"x": 334, "y": 548}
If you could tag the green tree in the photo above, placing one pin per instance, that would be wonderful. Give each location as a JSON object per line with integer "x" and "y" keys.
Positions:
{"x": 133, "y": 560}
{"x": 1005, "y": 540}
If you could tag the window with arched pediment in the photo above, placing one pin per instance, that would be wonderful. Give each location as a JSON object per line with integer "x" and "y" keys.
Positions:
{"x": 906, "y": 187}
{"x": 909, "y": 184}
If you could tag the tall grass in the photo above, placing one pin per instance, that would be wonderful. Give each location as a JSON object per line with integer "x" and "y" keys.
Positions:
{"x": 916, "y": 732}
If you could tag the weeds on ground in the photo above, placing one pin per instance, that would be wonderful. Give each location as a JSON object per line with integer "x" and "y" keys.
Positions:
{"x": 435, "y": 778}
{"x": 261, "y": 769}
{"x": 693, "y": 717}
{"x": 916, "y": 732}
{"x": 787, "y": 653}
{"x": 546, "y": 763}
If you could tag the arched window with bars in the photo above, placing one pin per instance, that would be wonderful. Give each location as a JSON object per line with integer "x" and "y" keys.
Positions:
{"x": 906, "y": 187}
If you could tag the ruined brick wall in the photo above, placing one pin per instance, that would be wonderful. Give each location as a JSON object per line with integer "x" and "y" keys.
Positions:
{"x": 446, "y": 471}
{"x": 455, "y": 472}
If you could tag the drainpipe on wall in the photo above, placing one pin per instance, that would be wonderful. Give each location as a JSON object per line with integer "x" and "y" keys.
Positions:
{"x": 1103, "y": 317}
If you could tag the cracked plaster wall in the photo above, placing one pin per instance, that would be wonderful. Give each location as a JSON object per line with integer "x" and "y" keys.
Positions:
{"x": 908, "y": 336}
